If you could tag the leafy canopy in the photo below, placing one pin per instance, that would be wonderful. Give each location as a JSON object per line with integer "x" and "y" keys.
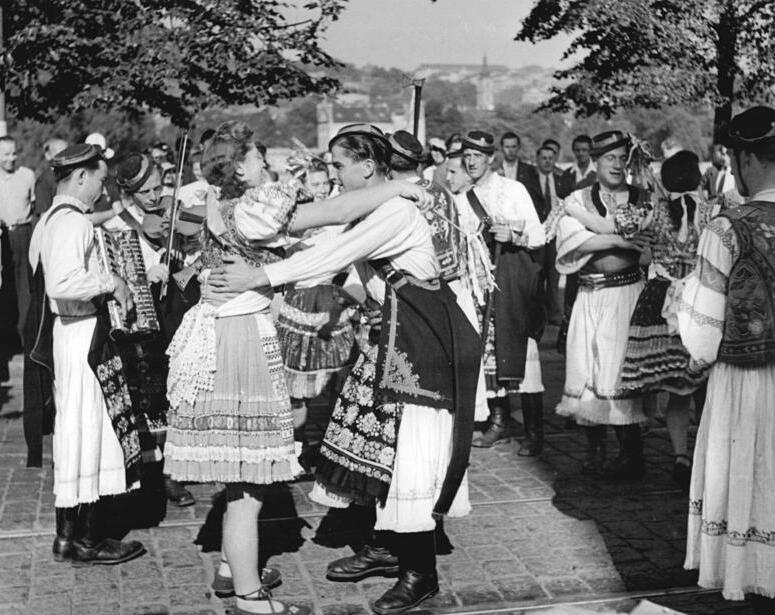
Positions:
{"x": 656, "y": 53}
{"x": 177, "y": 57}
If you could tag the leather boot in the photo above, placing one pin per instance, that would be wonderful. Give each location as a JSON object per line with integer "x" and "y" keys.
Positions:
{"x": 501, "y": 427}
{"x": 369, "y": 561}
{"x": 67, "y": 524}
{"x": 91, "y": 549}
{"x": 411, "y": 589}
{"x": 629, "y": 463}
{"x": 533, "y": 412}
{"x": 177, "y": 494}
{"x": 595, "y": 459}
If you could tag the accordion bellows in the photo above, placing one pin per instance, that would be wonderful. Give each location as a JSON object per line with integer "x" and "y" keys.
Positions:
{"x": 120, "y": 254}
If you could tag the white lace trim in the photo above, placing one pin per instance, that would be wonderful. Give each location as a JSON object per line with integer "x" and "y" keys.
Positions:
{"x": 192, "y": 356}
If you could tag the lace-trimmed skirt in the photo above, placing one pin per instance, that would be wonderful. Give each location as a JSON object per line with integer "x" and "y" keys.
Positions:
{"x": 242, "y": 429}
{"x": 310, "y": 360}
{"x": 656, "y": 360}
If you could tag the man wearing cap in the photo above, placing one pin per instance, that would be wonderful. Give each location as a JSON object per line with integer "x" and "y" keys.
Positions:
{"x": 610, "y": 282}
{"x": 96, "y": 446}
{"x": 46, "y": 185}
{"x": 144, "y": 212}
{"x": 725, "y": 319}
{"x": 510, "y": 225}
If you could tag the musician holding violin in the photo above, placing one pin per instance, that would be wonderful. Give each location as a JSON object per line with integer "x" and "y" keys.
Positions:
{"x": 174, "y": 284}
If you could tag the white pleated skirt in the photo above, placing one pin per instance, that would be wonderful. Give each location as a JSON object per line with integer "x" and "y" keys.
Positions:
{"x": 88, "y": 460}
{"x": 597, "y": 344}
{"x": 422, "y": 456}
{"x": 731, "y": 529}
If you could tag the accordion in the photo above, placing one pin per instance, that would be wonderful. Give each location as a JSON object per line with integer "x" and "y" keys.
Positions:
{"x": 119, "y": 253}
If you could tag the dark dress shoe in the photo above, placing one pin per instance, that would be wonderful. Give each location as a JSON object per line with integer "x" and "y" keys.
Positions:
{"x": 62, "y": 549}
{"x": 369, "y": 561}
{"x": 409, "y": 591}
{"x": 106, "y": 552}
{"x": 177, "y": 494}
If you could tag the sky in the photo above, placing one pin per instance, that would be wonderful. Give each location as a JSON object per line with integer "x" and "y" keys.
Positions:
{"x": 407, "y": 33}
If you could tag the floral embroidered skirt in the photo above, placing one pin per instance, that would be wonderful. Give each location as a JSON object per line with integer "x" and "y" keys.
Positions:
{"x": 242, "y": 429}
{"x": 310, "y": 360}
{"x": 655, "y": 359}
{"x": 731, "y": 533}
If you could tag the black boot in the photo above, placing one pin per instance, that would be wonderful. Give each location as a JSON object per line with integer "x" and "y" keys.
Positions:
{"x": 418, "y": 580}
{"x": 533, "y": 413}
{"x": 91, "y": 549}
{"x": 596, "y": 450}
{"x": 374, "y": 559}
{"x": 501, "y": 427}
{"x": 629, "y": 463}
{"x": 176, "y": 493}
{"x": 67, "y": 525}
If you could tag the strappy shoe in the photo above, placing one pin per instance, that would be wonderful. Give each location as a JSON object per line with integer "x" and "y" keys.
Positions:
{"x": 264, "y": 594}
{"x": 223, "y": 586}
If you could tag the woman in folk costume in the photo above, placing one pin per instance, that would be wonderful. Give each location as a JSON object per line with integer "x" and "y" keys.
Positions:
{"x": 230, "y": 415}
{"x": 401, "y": 430}
{"x": 656, "y": 360}
{"x": 316, "y": 333}
{"x": 726, "y": 317}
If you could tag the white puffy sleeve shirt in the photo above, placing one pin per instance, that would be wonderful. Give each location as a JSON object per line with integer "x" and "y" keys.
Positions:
{"x": 395, "y": 230}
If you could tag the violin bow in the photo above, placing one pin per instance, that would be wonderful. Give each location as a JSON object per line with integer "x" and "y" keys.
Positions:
{"x": 174, "y": 209}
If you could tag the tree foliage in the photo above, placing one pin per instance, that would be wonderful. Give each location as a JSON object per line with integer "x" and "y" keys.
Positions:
{"x": 177, "y": 57}
{"x": 658, "y": 53}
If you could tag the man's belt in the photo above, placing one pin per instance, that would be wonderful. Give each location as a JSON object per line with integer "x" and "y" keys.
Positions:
{"x": 594, "y": 281}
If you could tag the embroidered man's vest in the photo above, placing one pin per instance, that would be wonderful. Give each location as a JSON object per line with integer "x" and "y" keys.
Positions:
{"x": 749, "y": 327}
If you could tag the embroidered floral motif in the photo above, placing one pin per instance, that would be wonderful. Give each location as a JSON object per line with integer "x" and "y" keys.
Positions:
{"x": 361, "y": 435}
{"x": 399, "y": 371}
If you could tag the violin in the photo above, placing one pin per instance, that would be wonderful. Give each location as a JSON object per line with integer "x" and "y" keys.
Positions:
{"x": 190, "y": 224}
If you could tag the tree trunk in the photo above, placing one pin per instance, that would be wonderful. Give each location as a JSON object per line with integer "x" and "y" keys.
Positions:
{"x": 726, "y": 56}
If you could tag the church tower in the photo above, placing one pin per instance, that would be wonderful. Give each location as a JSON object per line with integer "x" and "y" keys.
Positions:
{"x": 485, "y": 94}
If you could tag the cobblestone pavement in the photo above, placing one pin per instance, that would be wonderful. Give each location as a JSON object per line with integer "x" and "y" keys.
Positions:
{"x": 540, "y": 535}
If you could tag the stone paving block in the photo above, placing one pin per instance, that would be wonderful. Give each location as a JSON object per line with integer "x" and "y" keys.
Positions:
{"x": 503, "y": 568}
{"x": 185, "y": 575}
{"x": 146, "y": 609}
{"x": 344, "y": 609}
{"x": 190, "y": 596}
{"x": 558, "y": 587}
{"x": 328, "y": 591}
{"x": 478, "y": 594}
{"x": 519, "y": 588}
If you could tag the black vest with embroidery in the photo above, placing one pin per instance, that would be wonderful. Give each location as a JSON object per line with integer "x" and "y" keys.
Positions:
{"x": 749, "y": 322}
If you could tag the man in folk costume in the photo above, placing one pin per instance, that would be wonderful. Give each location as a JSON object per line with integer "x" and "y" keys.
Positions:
{"x": 96, "y": 446}
{"x": 726, "y": 319}
{"x": 145, "y": 212}
{"x": 447, "y": 233}
{"x": 610, "y": 282}
{"x": 400, "y": 433}
{"x": 510, "y": 226}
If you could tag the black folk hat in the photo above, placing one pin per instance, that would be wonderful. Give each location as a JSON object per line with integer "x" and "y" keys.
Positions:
{"x": 133, "y": 171}
{"x": 608, "y": 141}
{"x": 362, "y": 129}
{"x": 479, "y": 140}
{"x": 751, "y": 129}
{"x": 681, "y": 172}
{"x": 77, "y": 155}
{"x": 406, "y": 145}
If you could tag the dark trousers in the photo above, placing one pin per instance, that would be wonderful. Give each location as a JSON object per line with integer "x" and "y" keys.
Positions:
{"x": 17, "y": 275}
{"x": 554, "y": 308}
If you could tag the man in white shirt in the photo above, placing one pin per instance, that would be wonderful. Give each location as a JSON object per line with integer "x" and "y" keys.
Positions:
{"x": 93, "y": 456}
{"x": 512, "y": 229}
{"x": 583, "y": 172}
{"x": 17, "y": 195}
